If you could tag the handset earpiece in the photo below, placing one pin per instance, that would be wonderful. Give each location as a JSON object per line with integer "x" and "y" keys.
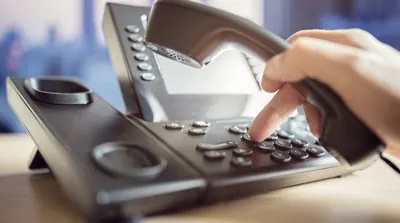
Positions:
{"x": 194, "y": 34}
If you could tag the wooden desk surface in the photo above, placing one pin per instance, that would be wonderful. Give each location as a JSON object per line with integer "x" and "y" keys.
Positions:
{"x": 372, "y": 195}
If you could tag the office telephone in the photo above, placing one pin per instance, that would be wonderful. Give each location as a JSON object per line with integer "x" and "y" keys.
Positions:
{"x": 179, "y": 144}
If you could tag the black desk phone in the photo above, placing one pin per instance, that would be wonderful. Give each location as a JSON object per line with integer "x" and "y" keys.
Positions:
{"x": 183, "y": 140}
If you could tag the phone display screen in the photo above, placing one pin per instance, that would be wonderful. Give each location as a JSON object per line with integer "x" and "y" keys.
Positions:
{"x": 228, "y": 74}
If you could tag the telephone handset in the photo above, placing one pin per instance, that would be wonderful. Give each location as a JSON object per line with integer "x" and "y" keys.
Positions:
{"x": 195, "y": 34}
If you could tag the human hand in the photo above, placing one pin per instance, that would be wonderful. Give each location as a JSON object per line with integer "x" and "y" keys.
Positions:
{"x": 363, "y": 71}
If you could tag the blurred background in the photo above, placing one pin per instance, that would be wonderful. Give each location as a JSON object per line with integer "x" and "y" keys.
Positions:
{"x": 64, "y": 38}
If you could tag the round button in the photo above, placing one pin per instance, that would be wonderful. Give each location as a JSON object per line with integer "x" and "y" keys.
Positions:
{"x": 242, "y": 152}
{"x": 265, "y": 147}
{"x": 246, "y": 138}
{"x": 271, "y": 138}
{"x": 215, "y": 155}
{"x": 299, "y": 154}
{"x": 197, "y": 131}
{"x": 141, "y": 57}
{"x": 283, "y": 144}
{"x": 237, "y": 130}
{"x": 138, "y": 47}
{"x": 284, "y": 135}
{"x": 201, "y": 124}
{"x": 144, "y": 66}
{"x": 241, "y": 161}
{"x": 132, "y": 29}
{"x": 280, "y": 156}
{"x": 174, "y": 126}
{"x": 299, "y": 143}
{"x": 315, "y": 151}
{"x": 135, "y": 38}
{"x": 147, "y": 77}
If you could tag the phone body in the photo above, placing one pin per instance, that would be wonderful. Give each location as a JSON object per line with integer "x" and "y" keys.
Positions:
{"x": 154, "y": 159}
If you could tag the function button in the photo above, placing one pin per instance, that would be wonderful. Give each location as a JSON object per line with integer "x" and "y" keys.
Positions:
{"x": 135, "y": 38}
{"x": 217, "y": 146}
{"x": 271, "y": 138}
{"x": 215, "y": 155}
{"x": 281, "y": 156}
{"x": 299, "y": 143}
{"x": 316, "y": 151}
{"x": 144, "y": 66}
{"x": 246, "y": 138}
{"x": 237, "y": 130}
{"x": 174, "y": 126}
{"x": 265, "y": 147}
{"x": 141, "y": 57}
{"x": 284, "y": 135}
{"x": 132, "y": 29}
{"x": 148, "y": 76}
{"x": 247, "y": 126}
{"x": 283, "y": 144}
{"x": 197, "y": 131}
{"x": 241, "y": 161}
{"x": 242, "y": 152}
{"x": 299, "y": 154}
{"x": 201, "y": 124}
{"x": 138, "y": 47}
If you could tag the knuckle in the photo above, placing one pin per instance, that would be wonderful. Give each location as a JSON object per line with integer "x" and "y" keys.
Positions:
{"x": 298, "y": 35}
{"x": 300, "y": 45}
{"x": 357, "y": 35}
{"x": 357, "y": 63}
